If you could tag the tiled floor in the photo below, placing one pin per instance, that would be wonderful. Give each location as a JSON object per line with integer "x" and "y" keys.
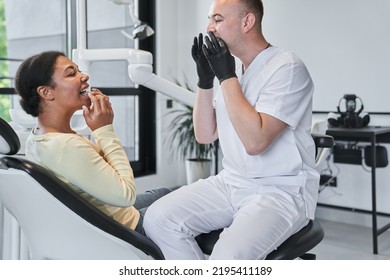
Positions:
{"x": 350, "y": 242}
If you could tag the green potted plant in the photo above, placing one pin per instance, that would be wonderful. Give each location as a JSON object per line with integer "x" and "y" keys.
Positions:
{"x": 181, "y": 140}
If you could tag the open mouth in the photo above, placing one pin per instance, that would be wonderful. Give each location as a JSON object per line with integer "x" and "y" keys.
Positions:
{"x": 84, "y": 92}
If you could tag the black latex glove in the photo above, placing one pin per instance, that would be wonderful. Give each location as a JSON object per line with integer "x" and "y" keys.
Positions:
{"x": 219, "y": 57}
{"x": 205, "y": 74}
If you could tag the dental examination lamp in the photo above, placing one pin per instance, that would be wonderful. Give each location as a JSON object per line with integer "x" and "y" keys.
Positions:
{"x": 140, "y": 62}
{"x": 140, "y": 70}
{"x": 141, "y": 30}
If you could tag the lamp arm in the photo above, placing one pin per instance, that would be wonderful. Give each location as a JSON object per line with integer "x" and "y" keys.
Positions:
{"x": 140, "y": 70}
{"x": 133, "y": 17}
{"x": 143, "y": 75}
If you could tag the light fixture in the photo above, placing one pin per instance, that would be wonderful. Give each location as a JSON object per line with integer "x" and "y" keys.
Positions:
{"x": 141, "y": 30}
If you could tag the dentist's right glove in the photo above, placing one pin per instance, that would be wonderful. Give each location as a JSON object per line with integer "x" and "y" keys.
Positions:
{"x": 205, "y": 74}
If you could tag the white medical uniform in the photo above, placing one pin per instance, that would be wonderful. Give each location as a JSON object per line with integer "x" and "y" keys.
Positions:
{"x": 259, "y": 200}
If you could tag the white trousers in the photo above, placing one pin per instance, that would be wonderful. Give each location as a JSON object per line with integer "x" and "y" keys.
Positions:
{"x": 256, "y": 220}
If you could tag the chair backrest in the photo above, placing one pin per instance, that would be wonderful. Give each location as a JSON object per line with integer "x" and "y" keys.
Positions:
{"x": 48, "y": 211}
{"x": 9, "y": 140}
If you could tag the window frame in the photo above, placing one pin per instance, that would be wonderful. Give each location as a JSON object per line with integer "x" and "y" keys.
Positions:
{"x": 146, "y": 164}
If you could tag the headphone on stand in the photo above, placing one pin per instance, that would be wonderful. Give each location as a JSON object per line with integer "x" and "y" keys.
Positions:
{"x": 349, "y": 118}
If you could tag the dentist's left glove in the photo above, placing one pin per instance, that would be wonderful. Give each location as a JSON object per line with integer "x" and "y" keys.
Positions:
{"x": 219, "y": 57}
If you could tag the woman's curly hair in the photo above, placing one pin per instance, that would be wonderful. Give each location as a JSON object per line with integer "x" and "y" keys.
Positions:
{"x": 35, "y": 71}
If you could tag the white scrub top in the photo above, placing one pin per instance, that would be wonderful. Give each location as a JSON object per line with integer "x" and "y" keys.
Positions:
{"x": 276, "y": 83}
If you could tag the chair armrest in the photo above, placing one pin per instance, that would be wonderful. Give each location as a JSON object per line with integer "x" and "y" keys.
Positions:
{"x": 323, "y": 140}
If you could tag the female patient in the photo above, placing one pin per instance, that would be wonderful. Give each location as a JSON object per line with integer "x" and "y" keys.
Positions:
{"x": 52, "y": 88}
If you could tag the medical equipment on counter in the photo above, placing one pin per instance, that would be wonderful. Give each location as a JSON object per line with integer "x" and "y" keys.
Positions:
{"x": 349, "y": 118}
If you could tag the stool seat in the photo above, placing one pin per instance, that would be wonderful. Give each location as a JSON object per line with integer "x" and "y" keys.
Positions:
{"x": 296, "y": 246}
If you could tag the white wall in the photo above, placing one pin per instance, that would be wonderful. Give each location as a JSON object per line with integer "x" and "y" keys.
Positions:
{"x": 345, "y": 45}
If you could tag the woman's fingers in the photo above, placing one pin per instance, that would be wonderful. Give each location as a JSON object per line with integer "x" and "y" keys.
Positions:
{"x": 99, "y": 99}
{"x": 100, "y": 113}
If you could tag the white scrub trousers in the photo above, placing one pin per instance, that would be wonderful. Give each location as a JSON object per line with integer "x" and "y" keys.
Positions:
{"x": 256, "y": 219}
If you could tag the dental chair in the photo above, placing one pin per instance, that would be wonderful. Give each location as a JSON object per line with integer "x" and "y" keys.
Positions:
{"x": 55, "y": 221}
{"x": 58, "y": 224}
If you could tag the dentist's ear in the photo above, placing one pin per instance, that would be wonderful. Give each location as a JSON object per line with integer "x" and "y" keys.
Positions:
{"x": 45, "y": 93}
{"x": 248, "y": 22}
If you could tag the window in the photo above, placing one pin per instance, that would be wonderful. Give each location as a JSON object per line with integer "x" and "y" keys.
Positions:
{"x": 5, "y": 102}
{"x": 53, "y": 28}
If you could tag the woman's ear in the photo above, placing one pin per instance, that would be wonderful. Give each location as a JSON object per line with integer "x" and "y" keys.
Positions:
{"x": 248, "y": 22}
{"x": 45, "y": 93}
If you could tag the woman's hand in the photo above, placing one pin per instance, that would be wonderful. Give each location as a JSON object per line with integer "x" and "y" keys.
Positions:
{"x": 100, "y": 112}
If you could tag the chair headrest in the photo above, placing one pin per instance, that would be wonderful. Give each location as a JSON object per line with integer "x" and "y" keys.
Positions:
{"x": 9, "y": 140}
